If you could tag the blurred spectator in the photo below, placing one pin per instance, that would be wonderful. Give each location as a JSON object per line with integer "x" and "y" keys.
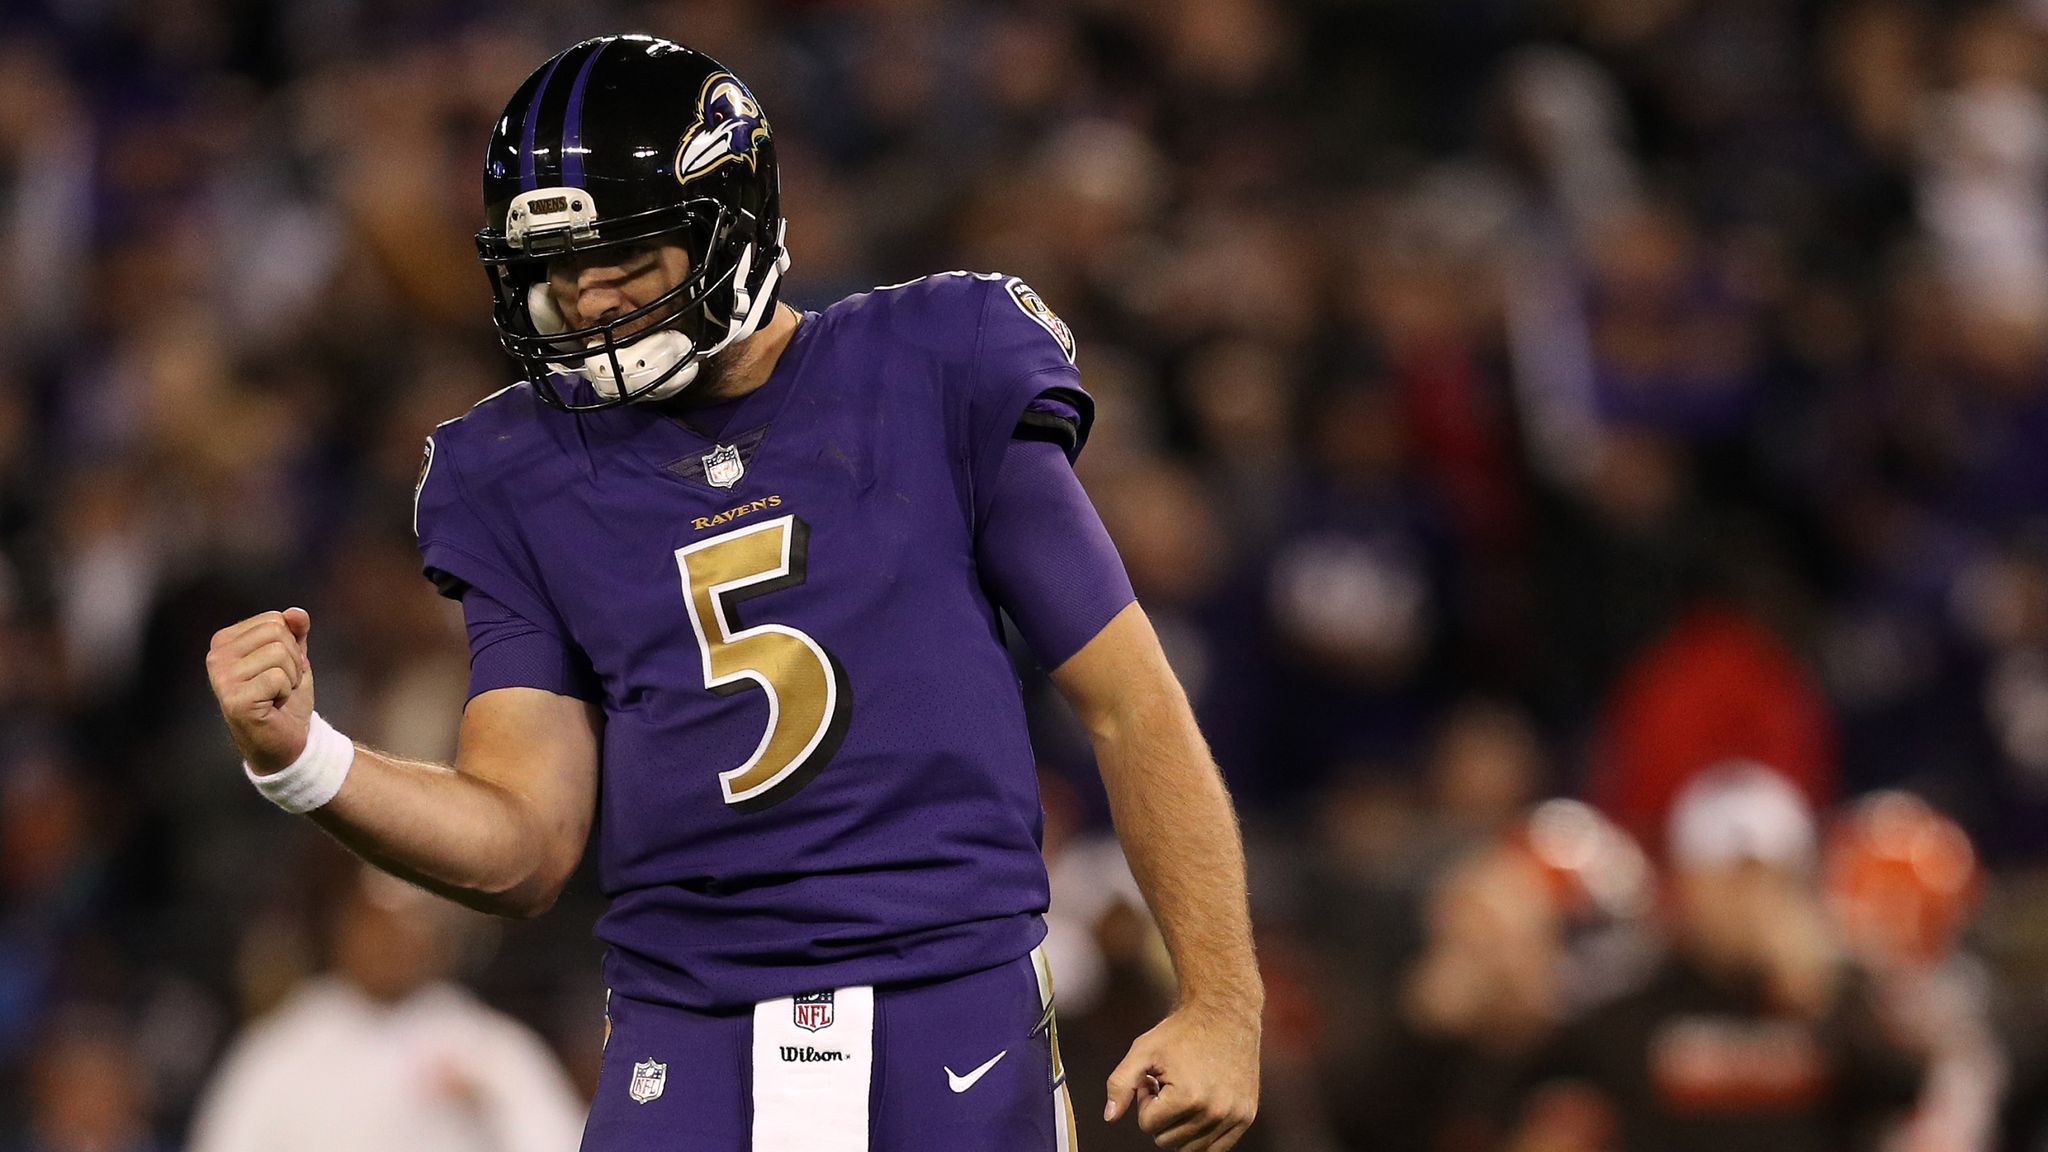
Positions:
{"x": 1482, "y": 998}
{"x": 1517, "y": 934}
{"x": 383, "y": 1052}
{"x": 1755, "y": 1032}
{"x": 1489, "y": 764}
{"x": 2004, "y": 601}
{"x": 1717, "y": 687}
{"x": 1983, "y": 182}
{"x": 52, "y": 881}
{"x": 46, "y": 193}
{"x": 89, "y": 1092}
{"x": 1902, "y": 883}
{"x": 1360, "y": 592}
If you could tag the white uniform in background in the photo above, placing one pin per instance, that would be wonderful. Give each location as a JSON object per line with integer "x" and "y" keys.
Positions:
{"x": 334, "y": 1071}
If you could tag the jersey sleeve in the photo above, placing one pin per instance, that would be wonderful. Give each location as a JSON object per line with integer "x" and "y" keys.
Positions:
{"x": 1045, "y": 555}
{"x": 506, "y": 650}
{"x": 516, "y": 637}
{"x": 1025, "y": 383}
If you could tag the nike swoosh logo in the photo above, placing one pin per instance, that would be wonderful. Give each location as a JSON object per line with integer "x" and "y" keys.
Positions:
{"x": 959, "y": 1083}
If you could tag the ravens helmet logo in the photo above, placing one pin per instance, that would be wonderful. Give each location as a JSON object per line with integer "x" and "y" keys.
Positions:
{"x": 729, "y": 124}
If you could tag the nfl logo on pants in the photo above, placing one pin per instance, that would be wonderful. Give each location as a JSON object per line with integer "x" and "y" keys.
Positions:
{"x": 649, "y": 1079}
{"x": 813, "y": 1012}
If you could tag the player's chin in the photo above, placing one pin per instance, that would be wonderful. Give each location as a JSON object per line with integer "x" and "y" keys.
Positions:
{"x": 708, "y": 385}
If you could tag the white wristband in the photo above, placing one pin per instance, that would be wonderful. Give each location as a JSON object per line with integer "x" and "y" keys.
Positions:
{"x": 312, "y": 779}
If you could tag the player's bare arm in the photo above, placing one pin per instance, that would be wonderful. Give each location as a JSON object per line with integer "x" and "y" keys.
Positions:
{"x": 1180, "y": 834}
{"x": 500, "y": 831}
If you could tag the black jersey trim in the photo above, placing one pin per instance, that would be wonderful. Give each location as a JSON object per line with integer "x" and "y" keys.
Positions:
{"x": 1052, "y": 429}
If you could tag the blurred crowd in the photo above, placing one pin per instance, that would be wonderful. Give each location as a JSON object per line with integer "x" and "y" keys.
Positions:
{"x": 1587, "y": 459}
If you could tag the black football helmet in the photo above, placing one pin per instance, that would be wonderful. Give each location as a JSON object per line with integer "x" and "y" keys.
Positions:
{"x": 629, "y": 140}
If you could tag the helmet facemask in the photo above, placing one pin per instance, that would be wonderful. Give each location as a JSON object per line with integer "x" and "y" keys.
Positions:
{"x": 718, "y": 303}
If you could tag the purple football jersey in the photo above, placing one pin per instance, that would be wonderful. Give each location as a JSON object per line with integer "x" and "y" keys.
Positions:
{"x": 815, "y": 766}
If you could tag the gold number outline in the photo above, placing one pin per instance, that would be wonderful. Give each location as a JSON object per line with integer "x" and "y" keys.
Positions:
{"x": 725, "y": 597}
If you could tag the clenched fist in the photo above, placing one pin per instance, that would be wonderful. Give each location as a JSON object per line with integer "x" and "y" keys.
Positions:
{"x": 264, "y": 682}
{"x": 1194, "y": 1079}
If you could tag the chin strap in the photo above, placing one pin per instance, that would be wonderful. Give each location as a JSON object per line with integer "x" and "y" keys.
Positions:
{"x": 751, "y": 310}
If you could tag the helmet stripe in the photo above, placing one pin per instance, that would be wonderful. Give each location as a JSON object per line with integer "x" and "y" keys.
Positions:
{"x": 572, "y": 122}
{"x": 527, "y": 181}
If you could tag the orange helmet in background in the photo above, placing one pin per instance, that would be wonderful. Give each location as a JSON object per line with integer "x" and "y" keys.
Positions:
{"x": 1901, "y": 878}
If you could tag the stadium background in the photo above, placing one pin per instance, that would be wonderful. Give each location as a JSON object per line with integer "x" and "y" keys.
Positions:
{"x": 1499, "y": 399}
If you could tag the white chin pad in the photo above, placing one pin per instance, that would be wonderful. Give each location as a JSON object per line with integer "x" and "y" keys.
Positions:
{"x": 643, "y": 360}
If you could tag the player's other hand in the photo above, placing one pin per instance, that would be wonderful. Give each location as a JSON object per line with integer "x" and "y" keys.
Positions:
{"x": 264, "y": 681}
{"x": 1194, "y": 1079}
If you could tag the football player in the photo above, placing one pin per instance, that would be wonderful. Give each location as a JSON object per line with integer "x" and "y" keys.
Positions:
{"x": 732, "y": 576}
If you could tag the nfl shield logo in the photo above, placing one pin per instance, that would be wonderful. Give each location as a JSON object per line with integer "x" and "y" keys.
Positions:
{"x": 722, "y": 466}
{"x": 813, "y": 1012}
{"x": 649, "y": 1079}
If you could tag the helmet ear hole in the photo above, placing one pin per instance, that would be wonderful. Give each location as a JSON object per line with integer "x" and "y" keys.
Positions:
{"x": 540, "y": 308}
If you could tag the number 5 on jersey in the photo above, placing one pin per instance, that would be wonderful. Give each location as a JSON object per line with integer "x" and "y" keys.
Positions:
{"x": 808, "y": 701}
